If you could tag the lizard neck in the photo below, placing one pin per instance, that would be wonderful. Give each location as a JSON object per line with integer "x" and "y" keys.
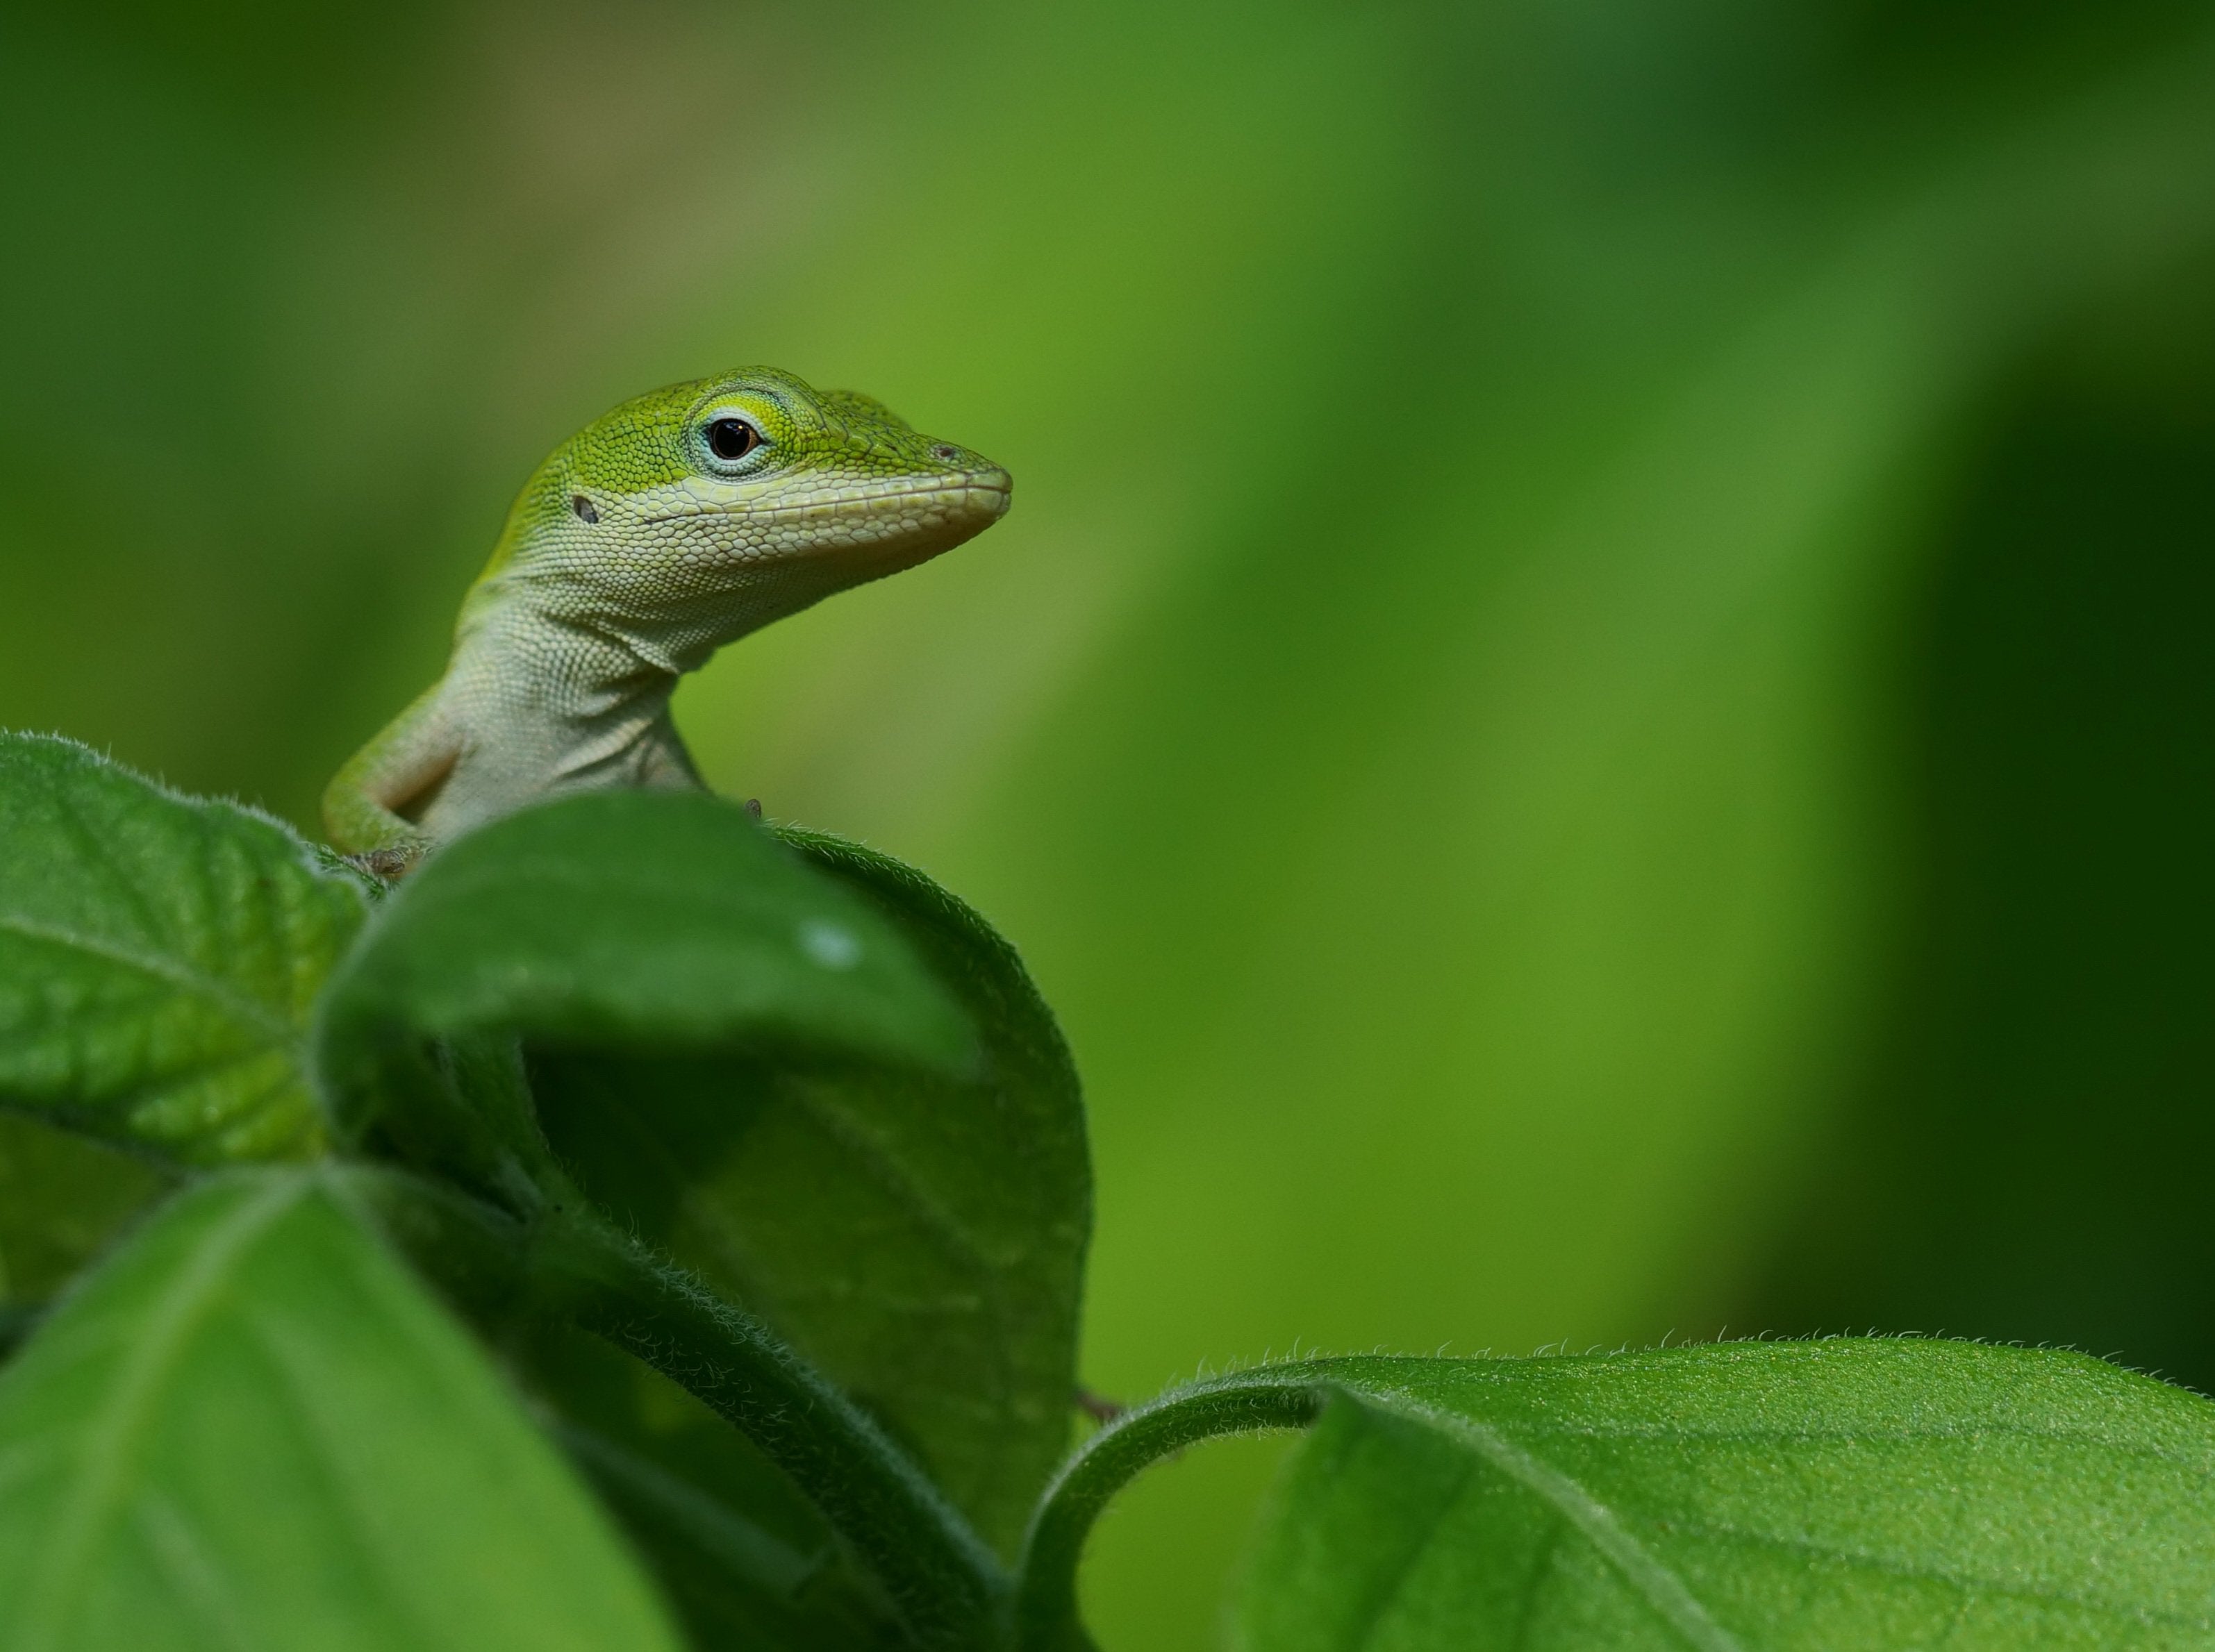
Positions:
{"x": 618, "y": 638}
{"x": 596, "y": 650}
{"x": 556, "y": 696}
{"x": 560, "y": 683}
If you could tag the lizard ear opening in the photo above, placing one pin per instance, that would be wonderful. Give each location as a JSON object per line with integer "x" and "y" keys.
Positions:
{"x": 584, "y": 507}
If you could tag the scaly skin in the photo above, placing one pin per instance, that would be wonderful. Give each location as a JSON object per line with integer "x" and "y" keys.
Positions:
{"x": 639, "y": 548}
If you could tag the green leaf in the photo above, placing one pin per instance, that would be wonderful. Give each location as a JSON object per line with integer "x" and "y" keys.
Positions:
{"x": 634, "y": 921}
{"x": 568, "y": 1262}
{"x": 667, "y": 948}
{"x": 918, "y": 1235}
{"x": 947, "y": 1585}
{"x": 159, "y": 957}
{"x": 251, "y": 1428}
{"x": 742, "y": 1555}
{"x": 1740, "y": 1495}
{"x": 739, "y": 1553}
{"x": 62, "y": 1197}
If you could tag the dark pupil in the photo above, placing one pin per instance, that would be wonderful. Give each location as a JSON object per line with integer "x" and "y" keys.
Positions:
{"x": 733, "y": 438}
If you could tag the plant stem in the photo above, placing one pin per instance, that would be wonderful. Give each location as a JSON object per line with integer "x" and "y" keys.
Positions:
{"x": 946, "y": 1585}
{"x": 1045, "y": 1607}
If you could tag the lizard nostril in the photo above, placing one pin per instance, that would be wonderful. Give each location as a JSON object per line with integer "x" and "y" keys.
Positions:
{"x": 942, "y": 452}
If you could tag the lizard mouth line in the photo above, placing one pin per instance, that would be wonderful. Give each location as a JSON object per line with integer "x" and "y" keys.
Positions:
{"x": 783, "y": 512}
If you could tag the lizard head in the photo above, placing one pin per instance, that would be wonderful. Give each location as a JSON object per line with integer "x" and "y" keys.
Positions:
{"x": 718, "y": 505}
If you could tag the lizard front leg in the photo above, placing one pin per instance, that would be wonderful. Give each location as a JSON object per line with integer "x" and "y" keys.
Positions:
{"x": 364, "y": 804}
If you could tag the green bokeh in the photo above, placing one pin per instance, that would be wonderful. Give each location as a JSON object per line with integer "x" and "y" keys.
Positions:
{"x": 1595, "y": 709}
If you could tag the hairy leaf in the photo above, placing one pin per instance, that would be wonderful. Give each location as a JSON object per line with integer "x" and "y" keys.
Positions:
{"x": 631, "y": 920}
{"x": 159, "y": 957}
{"x": 251, "y": 1428}
{"x": 1765, "y": 1495}
{"x": 918, "y": 1235}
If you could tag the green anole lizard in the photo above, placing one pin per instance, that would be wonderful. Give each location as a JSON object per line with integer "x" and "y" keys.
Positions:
{"x": 678, "y": 522}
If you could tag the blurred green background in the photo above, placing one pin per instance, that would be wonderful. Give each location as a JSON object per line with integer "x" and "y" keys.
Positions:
{"x": 1597, "y": 708}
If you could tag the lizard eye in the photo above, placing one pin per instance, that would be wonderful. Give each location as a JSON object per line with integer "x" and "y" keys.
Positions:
{"x": 731, "y": 439}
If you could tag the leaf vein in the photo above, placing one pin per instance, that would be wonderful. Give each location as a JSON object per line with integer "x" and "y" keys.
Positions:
{"x": 115, "y": 1426}
{"x": 1672, "y": 1600}
{"x": 273, "y": 1026}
